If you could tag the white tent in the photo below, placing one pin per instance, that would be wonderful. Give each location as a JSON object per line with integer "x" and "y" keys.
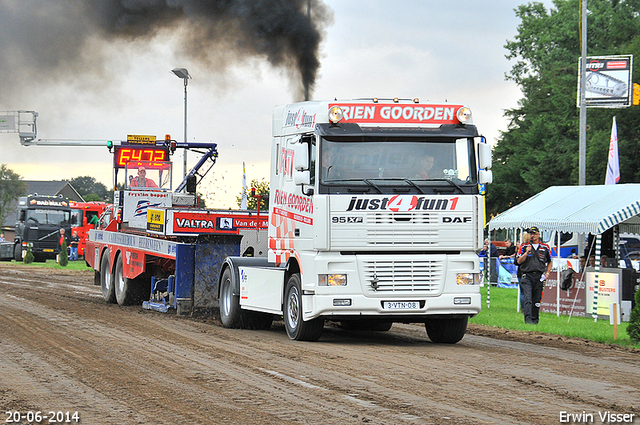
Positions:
{"x": 580, "y": 209}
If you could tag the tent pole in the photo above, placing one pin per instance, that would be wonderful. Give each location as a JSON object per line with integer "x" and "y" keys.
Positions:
{"x": 557, "y": 274}
{"x": 594, "y": 306}
{"x": 515, "y": 260}
{"x": 616, "y": 245}
{"x": 487, "y": 268}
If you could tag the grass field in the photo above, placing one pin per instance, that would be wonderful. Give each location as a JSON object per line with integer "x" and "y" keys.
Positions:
{"x": 502, "y": 314}
{"x": 73, "y": 265}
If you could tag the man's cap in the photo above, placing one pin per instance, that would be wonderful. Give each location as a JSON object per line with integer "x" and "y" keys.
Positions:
{"x": 534, "y": 229}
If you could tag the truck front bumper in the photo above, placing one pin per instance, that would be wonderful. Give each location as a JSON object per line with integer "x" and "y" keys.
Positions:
{"x": 415, "y": 309}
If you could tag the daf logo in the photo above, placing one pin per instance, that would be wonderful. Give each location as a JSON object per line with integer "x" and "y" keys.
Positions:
{"x": 374, "y": 282}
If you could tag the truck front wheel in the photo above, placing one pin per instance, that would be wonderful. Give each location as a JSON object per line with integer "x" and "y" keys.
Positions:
{"x": 298, "y": 329}
{"x": 446, "y": 331}
{"x": 106, "y": 283}
{"x": 17, "y": 252}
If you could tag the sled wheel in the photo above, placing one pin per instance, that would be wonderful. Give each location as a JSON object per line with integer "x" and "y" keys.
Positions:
{"x": 128, "y": 291}
{"x": 106, "y": 282}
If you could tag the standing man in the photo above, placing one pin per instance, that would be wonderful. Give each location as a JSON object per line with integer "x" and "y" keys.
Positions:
{"x": 73, "y": 246}
{"x": 534, "y": 259}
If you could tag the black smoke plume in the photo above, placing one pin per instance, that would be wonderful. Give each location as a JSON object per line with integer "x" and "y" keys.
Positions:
{"x": 48, "y": 39}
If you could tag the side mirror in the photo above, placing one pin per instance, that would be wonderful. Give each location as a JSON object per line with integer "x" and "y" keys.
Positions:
{"x": 301, "y": 156}
{"x": 485, "y": 176}
{"x": 302, "y": 177}
{"x": 484, "y": 156}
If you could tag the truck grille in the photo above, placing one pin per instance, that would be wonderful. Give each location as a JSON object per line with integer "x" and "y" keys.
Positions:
{"x": 399, "y": 218}
{"x": 403, "y": 276}
{"x": 401, "y": 229}
{"x": 42, "y": 238}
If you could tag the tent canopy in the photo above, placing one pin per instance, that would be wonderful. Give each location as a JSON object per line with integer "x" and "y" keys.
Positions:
{"x": 581, "y": 209}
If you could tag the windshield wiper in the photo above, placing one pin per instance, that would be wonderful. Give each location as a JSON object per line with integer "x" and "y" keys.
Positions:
{"x": 450, "y": 182}
{"x": 372, "y": 184}
{"x": 414, "y": 185}
{"x": 399, "y": 179}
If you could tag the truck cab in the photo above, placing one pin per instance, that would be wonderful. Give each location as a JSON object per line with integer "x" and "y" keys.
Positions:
{"x": 84, "y": 217}
{"x": 376, "y": 216}
{"x": 40, "y": 219}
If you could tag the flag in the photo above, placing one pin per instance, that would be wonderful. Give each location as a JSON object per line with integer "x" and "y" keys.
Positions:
{"x": 243, "y": 199}
{"x": 613, "y": 166}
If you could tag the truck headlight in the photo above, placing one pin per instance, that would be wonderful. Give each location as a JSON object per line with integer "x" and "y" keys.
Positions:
{"x": 332, "y": 280}
{"x": 468, "y": 278}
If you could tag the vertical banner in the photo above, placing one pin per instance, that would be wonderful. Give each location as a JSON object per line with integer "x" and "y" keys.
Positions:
{"x": 243, "y": 199}
{"x": 613, "y": 165}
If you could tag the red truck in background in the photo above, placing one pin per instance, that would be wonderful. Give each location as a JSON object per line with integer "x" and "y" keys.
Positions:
{"x": 81, "y": 215}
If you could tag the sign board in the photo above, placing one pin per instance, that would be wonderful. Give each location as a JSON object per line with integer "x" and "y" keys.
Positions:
{"x": 608, "y": 290}
{"x": 608, "y": 81}
{"x": 7, "y": 123}
{"x": 167, "y": 221}
{"x": 138, "y": 139}
{"x": 155, "y": 220}
{"x": 136, "y": 204}
{"x": 572, "y": 301}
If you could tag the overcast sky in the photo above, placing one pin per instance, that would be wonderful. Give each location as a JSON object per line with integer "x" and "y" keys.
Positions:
{"x": 105, "y": 90}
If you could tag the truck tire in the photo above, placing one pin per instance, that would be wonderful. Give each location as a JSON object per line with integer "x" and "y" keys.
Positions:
{"x": 128, "y": 291}
{"x": 230, "y": 311}
{"x": 446, "y": 331}
{"x": 106, "y": 279}
{"x": 232, "y": 315}
{"x": 17, "y": 252}
{"x": 297, "y": 328}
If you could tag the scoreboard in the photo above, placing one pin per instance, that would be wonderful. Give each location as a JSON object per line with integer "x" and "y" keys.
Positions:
{"x": 126, "y": 153}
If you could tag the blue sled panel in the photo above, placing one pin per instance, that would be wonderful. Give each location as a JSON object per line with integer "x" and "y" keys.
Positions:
{"x": 209, "y": 258}
{"x": 185, "y": 260}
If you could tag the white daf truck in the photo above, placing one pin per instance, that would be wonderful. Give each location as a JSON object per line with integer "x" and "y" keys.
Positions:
{"x": 376, "y": 215}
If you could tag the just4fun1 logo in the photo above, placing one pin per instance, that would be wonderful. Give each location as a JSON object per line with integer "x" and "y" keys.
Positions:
{"x": 402, "y": 203}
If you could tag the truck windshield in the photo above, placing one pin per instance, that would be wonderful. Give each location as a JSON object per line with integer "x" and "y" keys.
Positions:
{"x": 414, "y": 164}
{"x": 76, "y": 217}
{"x": 50, "y": 217}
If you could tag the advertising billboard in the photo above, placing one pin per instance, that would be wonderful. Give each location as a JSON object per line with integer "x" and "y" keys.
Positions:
{"x": 608, "y": 81}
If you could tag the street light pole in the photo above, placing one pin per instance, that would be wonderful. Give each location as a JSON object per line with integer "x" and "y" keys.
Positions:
{"x": 184, "y": 74}
{"x": 582, "y": 142}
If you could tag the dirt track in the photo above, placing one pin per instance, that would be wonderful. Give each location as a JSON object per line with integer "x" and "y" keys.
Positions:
{"x": 63, "y": 349}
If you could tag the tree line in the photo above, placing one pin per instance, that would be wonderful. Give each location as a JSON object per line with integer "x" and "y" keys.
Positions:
{"x": 539, "y": 148}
